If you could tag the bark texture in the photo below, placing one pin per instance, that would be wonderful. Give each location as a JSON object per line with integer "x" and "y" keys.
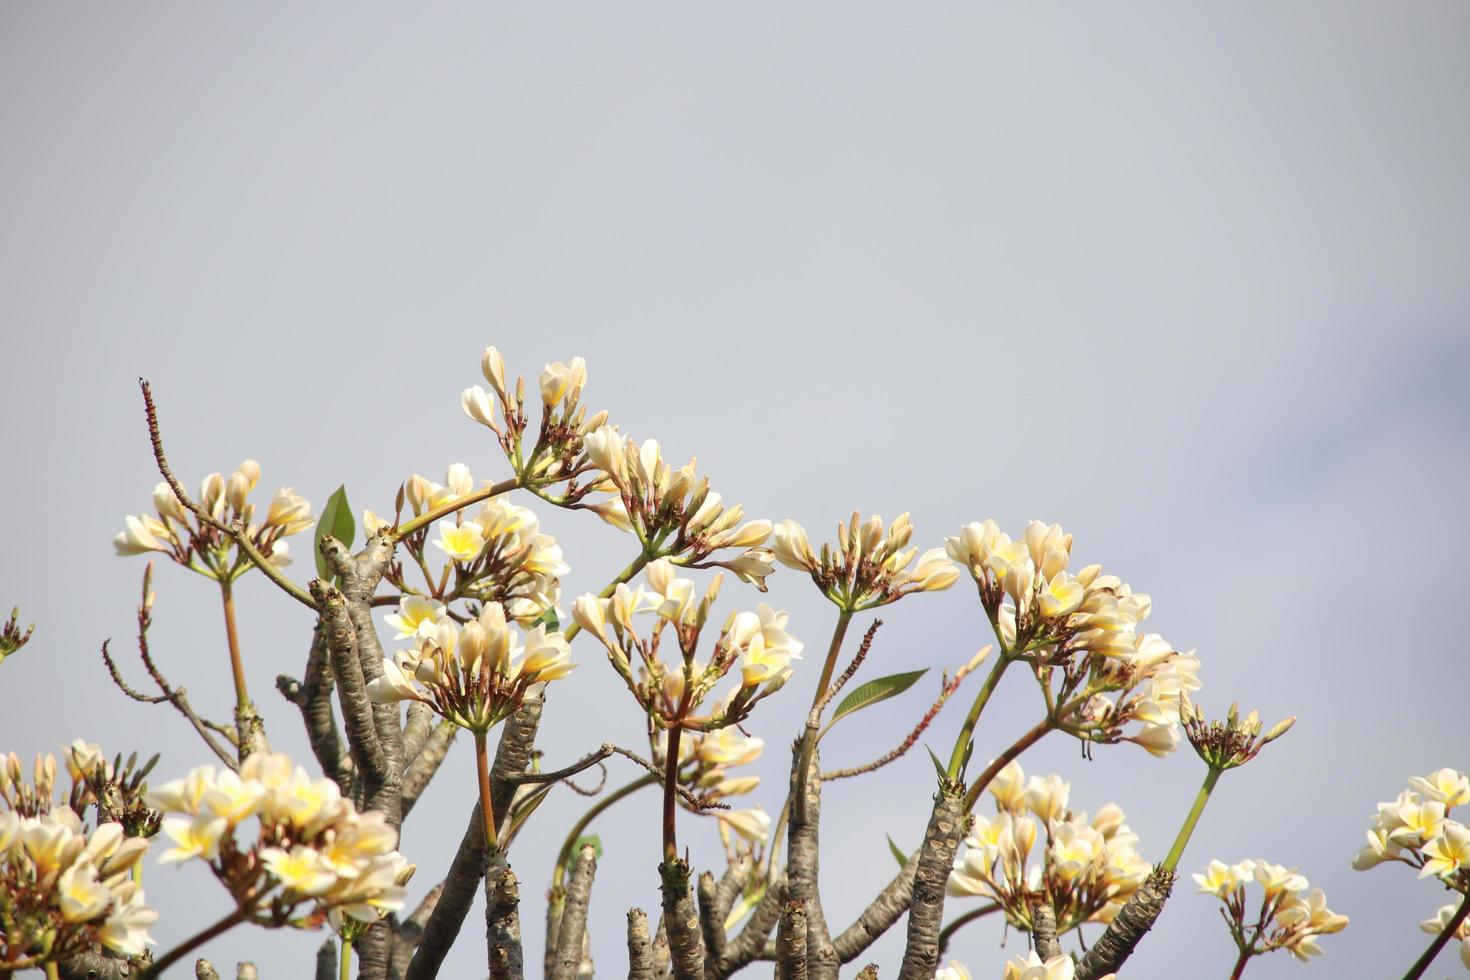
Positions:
{"x": 686, "y": 943}
{"x": 791, "y": 942}
{"x": 947, "y": 823}
{"x": 803, "y": 867}
{"x": 1128, "y": 928}
{"x": 573, "y": 928}
{"x": 503, "y": 927}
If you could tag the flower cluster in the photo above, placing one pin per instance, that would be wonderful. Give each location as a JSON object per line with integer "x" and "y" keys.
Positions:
{"x": 475, "y": 675}
{"x": 867, "y": 567}
{"x": 1287, "y": 918}
{"x": 498, "y": 555}
{"x": 674, "y": 512}
{"x": 557, "y": 455}
{"x": 1230, "y": 743}
{"x": 184, "y": 538}
{"x": 1081, "y": 632}
{"x": 1437, "y": 925}
{"x": 1087, "y": 869}
{"x": 65, "y": 887}
{"x": 12, "y": 637}
{"x": 673, "y": 693}
{"x": 309, "y": 845}
{"x": 1417, "y": 829}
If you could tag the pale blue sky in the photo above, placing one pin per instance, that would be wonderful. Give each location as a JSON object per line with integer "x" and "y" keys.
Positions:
{"x": 1191, "y": 281}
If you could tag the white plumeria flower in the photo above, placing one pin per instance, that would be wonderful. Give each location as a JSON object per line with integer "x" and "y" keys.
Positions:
{"x": 953, "y": 970}
{"x": 1448, "y": 852}
{"x": 1444, "y": 786}
{"x": 416, "y": 616}
{"x": 461, "y": 542}
{"x": 1030, "y": 967}
{"x": 754, "y": 825}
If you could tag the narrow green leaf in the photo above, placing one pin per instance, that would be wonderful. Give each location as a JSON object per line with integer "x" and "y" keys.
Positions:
{"x": 523, "y": 812}
{"x": 337, "y": 521}
{"x": 898, "y": 854}
{"x": 548, "y": 618}
{"x": 586, "y": 839}
{"x": 939, "y": 767}
{"x": 878, "y": 689}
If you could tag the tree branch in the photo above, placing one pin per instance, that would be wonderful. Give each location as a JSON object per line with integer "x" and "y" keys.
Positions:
{"x": 880, "y": 915}
{"x": 573, "y": 927}
{"x": 640, "y": 947}
{"x": 423, "y": 767}
{"x": 686, "y": 945}
{"x": 791, "y": 937}
{"x": 1128, "y": 927}
{"x": 947, "y": 823}
{"x": 503, "y": 927}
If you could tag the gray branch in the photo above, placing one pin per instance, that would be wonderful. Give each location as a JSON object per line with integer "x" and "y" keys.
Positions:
{"x": 802, "y": 864}
{"x": 751, "y": 941}
{"x": 417, "y": 725}
{"x": 426, "y": 762}
{"x": 204, "y": 970}
{"x": 1044, "y": 931}
{"x": 1128, "y": 928}
{"x": 879, "y": 917}
{"x": 686, "y": 944}
{"x": 640, "y": 946}
{"x": 791, "y": 942}
{"x": 503, "y": 927}
{"x": 313, "y": 696}
{"x": 407, "y": 933}
{"x": 947, "y": 824}
{"x": 326, "y": 960}
{"x": 573, "y": 927}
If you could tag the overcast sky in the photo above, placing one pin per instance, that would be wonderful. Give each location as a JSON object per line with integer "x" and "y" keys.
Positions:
{"x": 1190, "y": 281}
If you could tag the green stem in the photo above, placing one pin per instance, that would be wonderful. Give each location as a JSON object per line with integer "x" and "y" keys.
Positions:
{"x": 982, "y": 698}
{"x": 237, "y": 663}
{"x": 833, "y": 649}
{"x": 487, "y": 806}
{"x": 1448, "y": 933}
{"x": 1177, "y": 851}
{"x": 53, "y": 972}
{"x": 634, "y": 567}
{"x": 1005, "y": 758}
{"x": 459, "y": 503}
{"x": 797, "y": 799}
{"x": 344, "y": 971}
{"x": 564, "y": 856}
{"x": 192, "y": 943}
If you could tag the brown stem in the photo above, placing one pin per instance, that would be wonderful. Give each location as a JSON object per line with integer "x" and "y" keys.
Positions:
{"x": 671, "y": 789}
{"x": 487, "y": 805}
{"x": 1240, "y": 961}
{"x": 237, "y": 663}
{"x": 192, "y": 943}
{"x": 1006, "y": 758}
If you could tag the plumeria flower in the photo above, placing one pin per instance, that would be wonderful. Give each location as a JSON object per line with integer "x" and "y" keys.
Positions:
{"x": 1287, "y": 919}
{"x": 1437, "y": 925}
{"x": 1448, "y": 851}
{"x": 477, "y": 675}
{"x": 1031, "y": 967}
{"x": 953, "y": 970}
{"x": 1086, "y": 869}
{"x": 868, "y": 567}
{"x": 309, "y": 843}
{"x": 416, "y": 616}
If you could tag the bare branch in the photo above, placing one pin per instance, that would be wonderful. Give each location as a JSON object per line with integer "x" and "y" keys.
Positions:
{"x": 751, "y": 941}
{"x": 357, "y": 715}
{"x": 406, "y": 934}
{"x": 697, "y": 801}
{"x": 416, "y": 727}
{"x": 803, "y": 872}
{"x": 640, "y": 946}
{"x": 711, "y": 923}
{"x": 1044, "y": 931}
{"x": 573, "y": 927}
{"x": 503, "y": 927}
{"x": 235, "y": 532}
{"x": 326, "y": 960}
{"x": 686, "y": 945}
{"x": 880, "y": 915}
{"x": 947, "y": 823}
{"x": 852, "y": 668}
{"x": 422, "y": 769}
{"x": 313, "y": 696}
{"x": 584, "y": 763}
{"x": 1128, "y": 927}
{"x": 791, "y": 942}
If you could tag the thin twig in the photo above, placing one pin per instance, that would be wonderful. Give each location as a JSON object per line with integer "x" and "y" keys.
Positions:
{"x": 586, "y": 762}
{"x": 852, "y": 668}
{"x": 699, "y": 802}
{"x": 235, "y": 532}
{"x": 946, "y": 689}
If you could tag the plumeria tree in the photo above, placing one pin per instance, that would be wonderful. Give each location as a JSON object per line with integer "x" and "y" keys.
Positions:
{"x": 450, "y": 616}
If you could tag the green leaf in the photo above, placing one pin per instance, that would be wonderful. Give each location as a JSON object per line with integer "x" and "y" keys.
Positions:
{"x": 523, "y": 812}
{"x": 553, "y": 625}
{"x": 586, "y": 839}
{"x": 939, "y": 767}
{"x": 337, "y": 521}
{"x": 898, "y": 854}
{"x": 879, "y": 689}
